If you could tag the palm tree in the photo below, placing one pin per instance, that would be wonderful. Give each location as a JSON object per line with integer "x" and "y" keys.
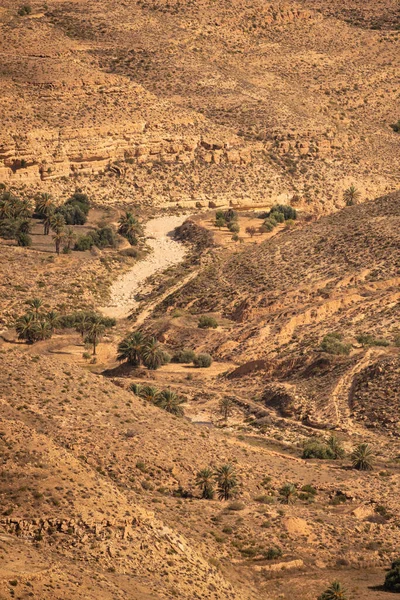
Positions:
{"x": 288, "y": 493}
{"x": 362, "y": 457}
{"x": 334, "y": 592}
{"x": 225, "y": 407}
{"x": 25, "y": 327}
{"x": 351, "y": 195}
{"x": 170, "y": 402}
{"x": 205, "y": 481}
{"x": 42, "y": 329}
{"x": 152, "y": 354}
{"x": 131, "y": 348}
{"x": 35, "y": 304}
{"x": 148, "y": 393}
{"x": 24, "y": 226}
{"x": 82, "y": 322}
{"x": 6, "y": 204}
{"x": 226, "y": 481}
{"x": 57, "y": 223}
{"x": 59, "y": 239}
{"x": 45, "y": 207}
{"x": 136, "y": 388}
{"x": 52, "y": 319}
{"x": 95, "y": 332}
{"x": 129, "y": 227}
{"x": 70, "y": 237}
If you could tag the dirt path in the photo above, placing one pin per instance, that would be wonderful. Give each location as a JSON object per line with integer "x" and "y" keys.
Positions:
{"x": 166, "y": 253}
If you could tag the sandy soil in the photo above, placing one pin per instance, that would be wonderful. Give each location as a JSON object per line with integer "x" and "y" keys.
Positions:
{"x": 166, "y": 252}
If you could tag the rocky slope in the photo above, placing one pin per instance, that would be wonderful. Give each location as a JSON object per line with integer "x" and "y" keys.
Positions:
{"x": 197, "y": 102}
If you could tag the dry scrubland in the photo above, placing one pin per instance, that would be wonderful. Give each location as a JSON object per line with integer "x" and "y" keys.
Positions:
{"x": 150, "y": 105}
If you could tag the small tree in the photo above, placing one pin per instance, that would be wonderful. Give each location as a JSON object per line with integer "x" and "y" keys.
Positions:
{"x": 288, "y": 494}
{"x": 234, "y": 227}
{"x": 129, "y": 227}
{"x": 220, "y": 223}
{"x": 226, "y": 482}
{"x": 184, "y": 356}
{"x": 225, "y": 407}
{"x": 69, "y": 239}
{"x": 148, "y": 393}
{"x": 153, "y": 355}
{"x": 171, "y": 402}
{"x": 130, "y": 349}
{"x": 334, "y": 592}
{"x": 251, "y": 231}
{"x": 95, "y": 332}
{"x": 205, "y": 481}
{"x": 362, "y": 457}
{"x": 35, "y": 304}
{"x": 351, "y": 195}
{"x": 59, "y": 239}
{"x": 57, "y": 223}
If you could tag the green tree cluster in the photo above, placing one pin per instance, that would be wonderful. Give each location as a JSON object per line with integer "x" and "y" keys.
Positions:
{"x": 223, "y": 478}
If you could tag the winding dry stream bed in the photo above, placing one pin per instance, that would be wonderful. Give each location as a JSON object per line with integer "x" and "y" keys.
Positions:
{"x": 166, "y": 252}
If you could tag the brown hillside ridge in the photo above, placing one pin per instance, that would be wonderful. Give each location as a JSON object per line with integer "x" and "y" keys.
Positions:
{"x": 185, "y": 102}
{"x": 199, "y": 300}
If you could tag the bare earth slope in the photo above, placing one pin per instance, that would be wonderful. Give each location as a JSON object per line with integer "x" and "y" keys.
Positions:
{"x": 192, "y": 102}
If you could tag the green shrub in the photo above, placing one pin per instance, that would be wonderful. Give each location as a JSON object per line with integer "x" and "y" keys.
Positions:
{"x": 26, "y": 9}
{"x": 104, "y": 237}
{"x": 267, "y": 226}
{"x": 332, "y": 343}
{"x": 315, "y": 448}
{"x": 288, "y": 212}
{"x": 202, "y": 361}
{"x": 392, "y": 579}
{"x": 233, "y": 227}
{"x": 220, "y": 223}
{"x": 277, "y": 216}
{"x": 184, "y": 356}
{"x": 206, "y": 322}
{"x": 366, "y": 339}
{"x": 272, "y": 553}
{"x": 396, "y": 126}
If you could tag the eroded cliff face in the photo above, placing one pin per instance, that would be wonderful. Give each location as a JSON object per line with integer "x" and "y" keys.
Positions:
{"x": 42, "y": 154}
